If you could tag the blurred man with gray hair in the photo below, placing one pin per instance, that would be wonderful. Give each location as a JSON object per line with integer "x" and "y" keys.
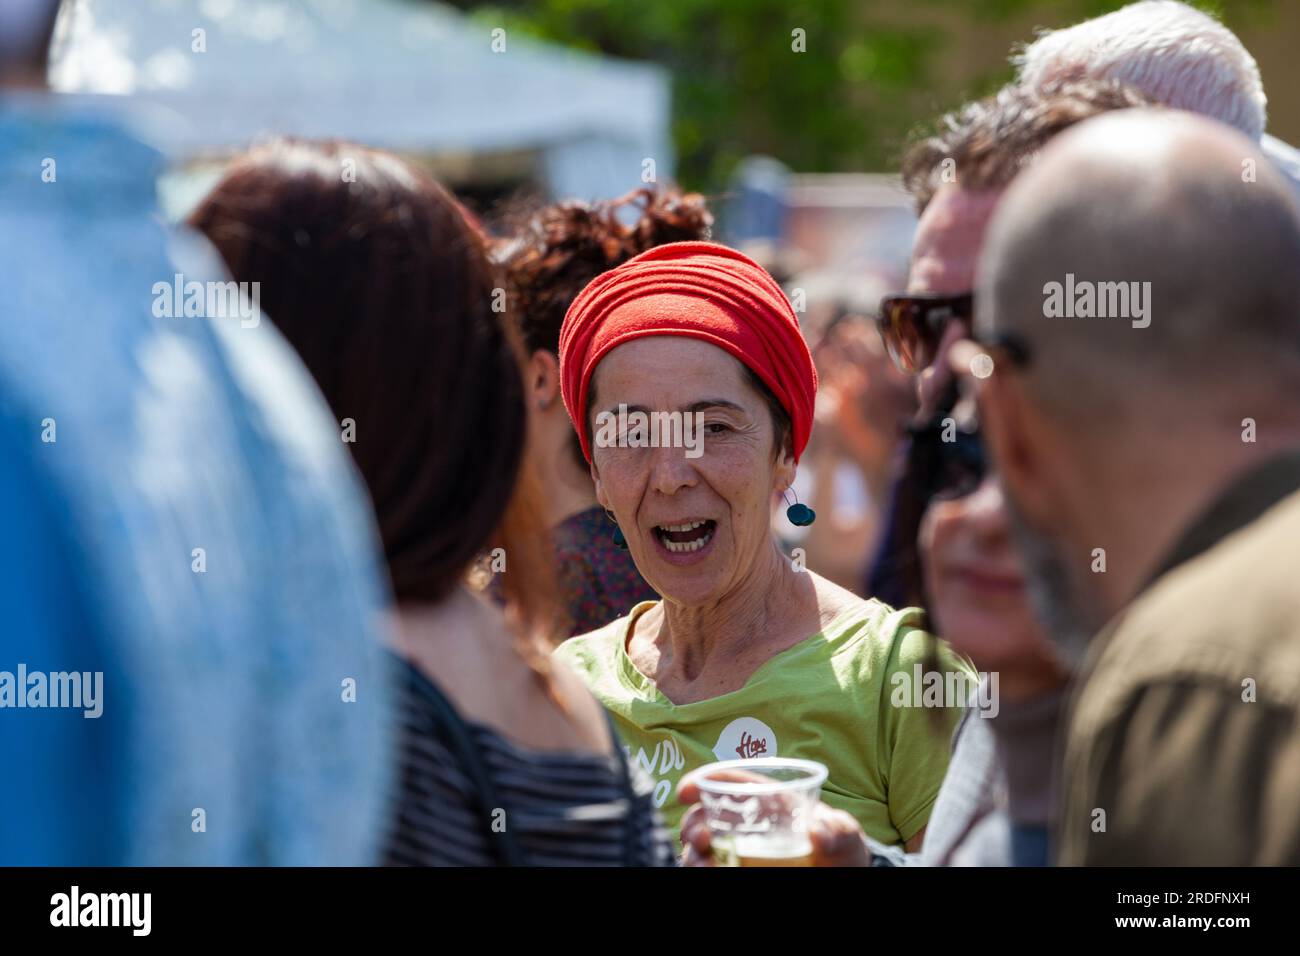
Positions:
{"x": 1149, "y": 447}
{"x": 1175, "y": 54}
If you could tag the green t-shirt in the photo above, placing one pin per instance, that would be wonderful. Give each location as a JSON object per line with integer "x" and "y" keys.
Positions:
{"x": 834, "y": 697}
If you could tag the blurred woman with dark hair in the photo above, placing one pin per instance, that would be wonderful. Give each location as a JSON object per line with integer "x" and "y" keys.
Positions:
{"x": 386, "y": 291}
{"x": 549, "y": 260}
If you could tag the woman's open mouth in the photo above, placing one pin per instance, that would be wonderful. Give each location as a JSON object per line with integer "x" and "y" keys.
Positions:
{"x": 686, "y": 537}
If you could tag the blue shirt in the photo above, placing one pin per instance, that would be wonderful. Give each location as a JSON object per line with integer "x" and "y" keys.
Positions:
{"x": 177, "y": 511}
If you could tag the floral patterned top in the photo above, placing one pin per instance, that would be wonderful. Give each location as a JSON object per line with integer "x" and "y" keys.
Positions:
{"x": 598, "y": 581}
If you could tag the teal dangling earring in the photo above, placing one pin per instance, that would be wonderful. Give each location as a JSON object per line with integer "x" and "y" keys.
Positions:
{"x": 617, "y": 537}
{"x": 801, "y": 516}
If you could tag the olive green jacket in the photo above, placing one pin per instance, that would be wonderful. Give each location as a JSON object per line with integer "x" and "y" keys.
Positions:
{"x": 1183, "y": 741}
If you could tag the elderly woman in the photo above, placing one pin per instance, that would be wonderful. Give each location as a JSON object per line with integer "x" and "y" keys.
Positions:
{"x": 747, "y": 653}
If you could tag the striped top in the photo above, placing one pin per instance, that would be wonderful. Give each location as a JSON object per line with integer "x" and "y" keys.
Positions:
{"x": 555, "y": 808}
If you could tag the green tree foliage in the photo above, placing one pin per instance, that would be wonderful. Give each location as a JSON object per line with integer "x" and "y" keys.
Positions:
{"x": 871, "y": 70}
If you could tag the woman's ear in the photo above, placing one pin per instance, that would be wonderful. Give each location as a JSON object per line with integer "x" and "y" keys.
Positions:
{"x": 786, "y": 469}
{"x": 543, "y": 378}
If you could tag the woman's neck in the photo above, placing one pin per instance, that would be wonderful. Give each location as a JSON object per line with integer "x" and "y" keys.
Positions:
{"x": 761, "y": 609}
{"x": 460, "y": 611}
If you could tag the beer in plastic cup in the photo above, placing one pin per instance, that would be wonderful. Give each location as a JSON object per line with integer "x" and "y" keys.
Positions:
{"x": 758, "y": 811}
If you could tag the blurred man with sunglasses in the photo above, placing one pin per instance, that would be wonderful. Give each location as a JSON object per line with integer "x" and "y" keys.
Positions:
{"x": 957, "y": 177}
{"x": 1153, "y": 475}
{"x": 950, "y": 538}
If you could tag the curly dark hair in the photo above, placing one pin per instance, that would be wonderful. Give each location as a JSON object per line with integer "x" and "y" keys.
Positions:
{"x": 560, "y": 248}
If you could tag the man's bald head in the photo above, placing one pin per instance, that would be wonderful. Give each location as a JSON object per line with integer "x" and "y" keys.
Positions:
{"x": 1202, "y": 232}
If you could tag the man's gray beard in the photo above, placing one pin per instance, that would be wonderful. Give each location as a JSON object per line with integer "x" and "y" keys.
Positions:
{"x": 1059, "y": 607}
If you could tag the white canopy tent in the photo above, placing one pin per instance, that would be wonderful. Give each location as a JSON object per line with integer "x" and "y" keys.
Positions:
{"x": 406, "y": 75}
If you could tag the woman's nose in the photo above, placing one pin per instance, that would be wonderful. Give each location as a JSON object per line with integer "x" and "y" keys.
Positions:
{"x": 985, "y": 510}
{"x": 670, "y": 470}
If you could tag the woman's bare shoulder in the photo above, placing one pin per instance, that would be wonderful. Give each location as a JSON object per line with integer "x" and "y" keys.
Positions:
{"x": 834, "y": 600}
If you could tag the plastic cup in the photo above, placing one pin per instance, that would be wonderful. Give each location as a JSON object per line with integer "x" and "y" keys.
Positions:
{"x": 758, "y": 811}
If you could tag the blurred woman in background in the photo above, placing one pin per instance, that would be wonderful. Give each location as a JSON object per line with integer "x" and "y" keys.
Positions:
{"x": 556, "y": 252}
{"x": 993, "y": 808}
{"x": 386, "y": 292}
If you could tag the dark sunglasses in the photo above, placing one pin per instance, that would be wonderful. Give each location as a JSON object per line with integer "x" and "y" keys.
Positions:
{"x": 912, "y": 326}
{"x": 954, "y": 463}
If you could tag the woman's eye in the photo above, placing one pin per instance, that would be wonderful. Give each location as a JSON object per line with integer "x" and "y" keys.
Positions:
{"x": 717, "y": 428}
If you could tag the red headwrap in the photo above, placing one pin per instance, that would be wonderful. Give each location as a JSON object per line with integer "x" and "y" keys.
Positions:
{"x": 699, "y": 290}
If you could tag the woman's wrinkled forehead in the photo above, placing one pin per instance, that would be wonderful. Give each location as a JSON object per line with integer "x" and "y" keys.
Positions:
{"x": 662, "y": 367}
